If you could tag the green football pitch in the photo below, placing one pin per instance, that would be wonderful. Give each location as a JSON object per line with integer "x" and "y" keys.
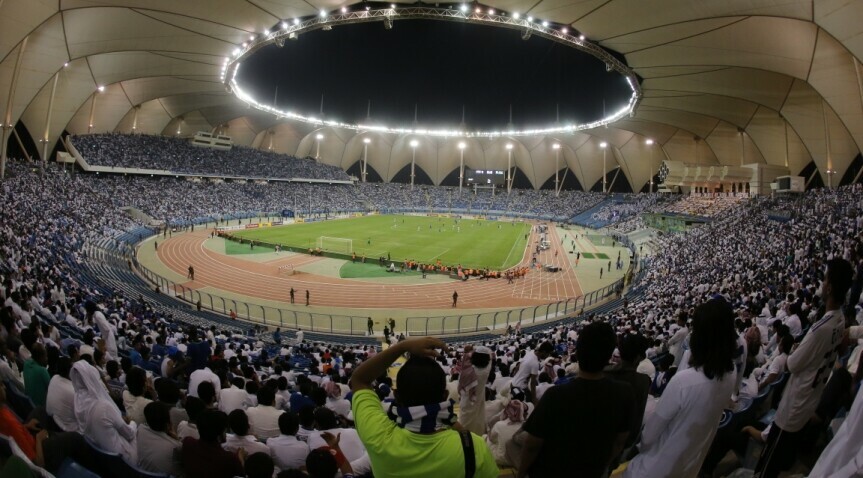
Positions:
{"x": 471, "y": 243}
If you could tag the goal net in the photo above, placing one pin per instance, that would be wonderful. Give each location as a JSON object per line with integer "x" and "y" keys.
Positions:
{"x": 336, "y": 244}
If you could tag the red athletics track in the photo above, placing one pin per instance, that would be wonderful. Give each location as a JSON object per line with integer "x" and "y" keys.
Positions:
{"x": 263, "y": 281}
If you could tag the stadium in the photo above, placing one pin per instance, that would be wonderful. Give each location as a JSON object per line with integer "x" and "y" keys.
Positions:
{"x": 268, "y": 238}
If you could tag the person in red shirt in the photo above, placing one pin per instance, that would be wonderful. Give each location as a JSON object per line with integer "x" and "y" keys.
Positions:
{"x": 23, "y": 434}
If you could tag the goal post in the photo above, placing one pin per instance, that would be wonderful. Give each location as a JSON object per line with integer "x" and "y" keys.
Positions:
{"x": 336, "y": 244}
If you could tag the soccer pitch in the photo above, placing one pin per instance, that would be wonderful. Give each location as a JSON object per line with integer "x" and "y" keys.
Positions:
{"x": 471, "y": 243}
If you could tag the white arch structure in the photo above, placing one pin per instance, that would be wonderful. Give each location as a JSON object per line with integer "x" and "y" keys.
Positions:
{"x": 730, "y": 82}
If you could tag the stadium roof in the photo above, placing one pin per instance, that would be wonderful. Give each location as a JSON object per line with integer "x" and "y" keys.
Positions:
{"x": 785, "y": 73}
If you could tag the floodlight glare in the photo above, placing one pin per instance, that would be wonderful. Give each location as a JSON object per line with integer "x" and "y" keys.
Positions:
{"x": 319, "y": 136}
{"x": 516, "y": 15}
{"x": 284, "y": 25}
{"x": 603, "y": 145}
{"x": 555, "y": 146}
{"x": 508, "y": 145}
{"x": 530, "y": 19}
{"x": 266, "y": 32}
{"x": 648, "y": 141}
{"x": 65, "y": 64}
{"x": 392, "y": 5}
{"x": 344, "y": 10}
{"x": 323, "y": 14}
{"x": 245, "y": 44}
{"x": 296, "y": 21}
{"x": 581, "y": 37}
{"x": 367, "y": 140}
{"x": 491, "y": 11}
{"x": 101, "y": 88}
{"x": 464, "y": 8}
{"x": 414, "y": 143}
{"x": 564, "y": 30}
{"x": 462, "y": 145}
{"x": 545, "y": 24}
{"x": 478, "y": 10}
{"x": 251, "y": 37}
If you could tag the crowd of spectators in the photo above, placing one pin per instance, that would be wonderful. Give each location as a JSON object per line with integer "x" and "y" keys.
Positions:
{"x": 178, "y": 155}
{"x": 706, "y": 205}
{"x": 726, "y": 312}
{"x": 632, "y": 206}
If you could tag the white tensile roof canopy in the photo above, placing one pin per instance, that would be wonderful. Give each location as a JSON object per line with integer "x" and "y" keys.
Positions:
{"x": 724, "y": 83}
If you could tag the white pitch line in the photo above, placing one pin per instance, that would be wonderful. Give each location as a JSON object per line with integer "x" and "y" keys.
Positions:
{"x": 442, "y": 253}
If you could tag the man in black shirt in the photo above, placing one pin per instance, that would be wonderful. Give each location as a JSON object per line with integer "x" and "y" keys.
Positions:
{"x": 579, "y": 427}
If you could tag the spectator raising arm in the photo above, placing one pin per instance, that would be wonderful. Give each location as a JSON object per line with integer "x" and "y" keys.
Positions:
{"x": 376, "y": 366}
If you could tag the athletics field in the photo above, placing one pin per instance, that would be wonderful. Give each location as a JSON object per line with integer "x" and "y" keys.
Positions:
{"x": 471, "y": 243}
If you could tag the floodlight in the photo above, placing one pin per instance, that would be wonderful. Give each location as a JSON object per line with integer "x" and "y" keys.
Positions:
{"x": 323, "y": 14}
{"x": 266, "y": 32}
{"x": 464, "y": 8}
{"x": 285, "y": 25}
{"x": 101, "y": 88}
{"x": 516, "y": 15}
{"x": 367, "y": 140}
{"x": 478, "y": 10}
{"x": 344, "y": 10}
{"x": 530, "y": 19}
{"x": 236, "y": 51}
{"x": 319, "y": 136}
{"x": 296, "y": 21}
{"x": 245, "y": 44}
{"x": 251, "y": 37}
{"x": 414, "y": 143}
{"x": 603, "y": 145}
{"x": 564, "y": 30}
{"x": 555, "y": 146}
{"x": 65, "y": 64}
{"x": 462, "y": 145}
{"x": 581, "y": 37}
{"x": 545, "y": 24}
{"x": 509, "y": 146}
{"x": 392, "y": 5}
{"x": 648, "y": 141}
{"x": 491, "y": 11}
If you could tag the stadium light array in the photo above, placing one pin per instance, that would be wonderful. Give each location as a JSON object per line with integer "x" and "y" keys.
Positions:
{"x": 327, "y": 21}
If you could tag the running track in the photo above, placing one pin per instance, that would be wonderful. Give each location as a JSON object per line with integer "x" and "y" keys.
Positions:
{"x": 263, "y": 281}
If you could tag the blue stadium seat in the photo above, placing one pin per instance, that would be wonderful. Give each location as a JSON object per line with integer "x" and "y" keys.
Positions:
{"x": 71, "y": 469}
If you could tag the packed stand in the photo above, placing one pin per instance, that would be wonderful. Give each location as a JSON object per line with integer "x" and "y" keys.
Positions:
{"x": 706, "y": 205}
{"x": 178, "y": 155}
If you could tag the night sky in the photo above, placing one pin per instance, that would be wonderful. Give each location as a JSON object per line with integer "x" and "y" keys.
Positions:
{"x": 439, "y": 66}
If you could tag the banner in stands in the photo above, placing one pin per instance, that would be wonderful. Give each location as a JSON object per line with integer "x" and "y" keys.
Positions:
{"x": 252, "y": 226}
{"x": 287, "y": 213}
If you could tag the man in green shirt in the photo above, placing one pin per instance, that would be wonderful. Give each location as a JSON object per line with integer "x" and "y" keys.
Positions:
{"x": 417, "y": 439}
{"x": 36, "y": 376}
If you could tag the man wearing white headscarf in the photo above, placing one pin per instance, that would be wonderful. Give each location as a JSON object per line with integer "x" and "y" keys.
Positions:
{"x": 98, "y": 417}
{"x": 475, "y": 368}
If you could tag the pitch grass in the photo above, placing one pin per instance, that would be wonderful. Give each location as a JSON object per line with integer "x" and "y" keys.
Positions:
{"x": 471, "y": 243}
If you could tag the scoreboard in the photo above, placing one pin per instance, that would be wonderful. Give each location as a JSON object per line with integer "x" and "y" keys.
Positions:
{"x": 484, "y": 177}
